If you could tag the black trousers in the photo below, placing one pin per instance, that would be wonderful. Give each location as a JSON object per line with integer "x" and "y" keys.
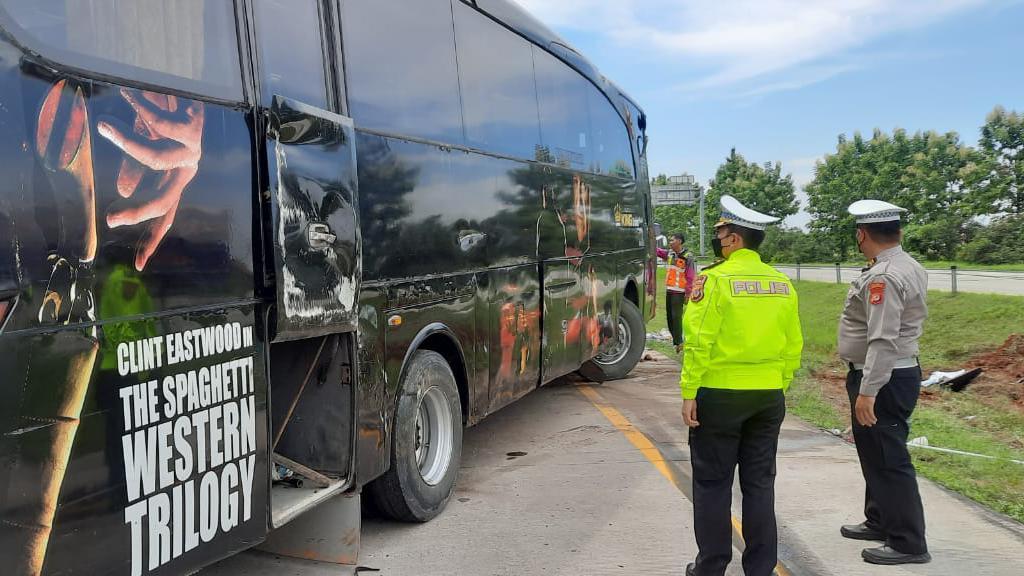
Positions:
{"x": 736, "y": 427}
{"x": 892, "y": 503}
{"x": 675, "y": 304}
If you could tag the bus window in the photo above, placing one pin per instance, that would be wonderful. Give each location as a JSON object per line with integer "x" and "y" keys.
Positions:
{"x": 186, "y": 44}
{"x": 564, "y": 122}
{"x": 499, "y": 94}
{"x": 612, "y": 154}
{"x": 400, "y": 66}
{"x": 291, "y": 51}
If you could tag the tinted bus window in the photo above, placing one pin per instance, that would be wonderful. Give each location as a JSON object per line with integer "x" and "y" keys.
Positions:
{"x": 564, "y": 122}
{"x": 612, "y": 154}
{"x": 291, "y": 51}
{"x": 400, "y": 66}
{"x": 499, "y": 95}
{"x": 190, "y": 44}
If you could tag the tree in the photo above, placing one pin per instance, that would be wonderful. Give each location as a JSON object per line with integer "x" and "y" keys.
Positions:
{"x": 927, "y": 173}
{"x": 938, "y": 240}
{"x": 676, "y": 219}
{"x": 1002, "y": 242}
{"x": 789, "y": 245}
{"x": 659, "y": 180}
{"x": 760, "y": 187}
{"x": 935, "y": 183}
{"x": 998, "y": 174}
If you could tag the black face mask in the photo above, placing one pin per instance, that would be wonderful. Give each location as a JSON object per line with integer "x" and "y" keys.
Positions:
{"x": 716, "y": 247}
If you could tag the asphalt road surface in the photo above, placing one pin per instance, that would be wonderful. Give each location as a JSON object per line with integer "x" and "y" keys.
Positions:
{"x": 580, "y": 480}
{"x": 981, "y": 281}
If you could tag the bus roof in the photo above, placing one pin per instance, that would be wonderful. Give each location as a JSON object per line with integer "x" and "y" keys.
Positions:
{"x": 511, "y": 14}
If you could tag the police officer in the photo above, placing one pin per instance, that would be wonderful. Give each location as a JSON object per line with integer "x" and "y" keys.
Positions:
{"x": 882, "y": 320}
{"x": 682, "y": 269}
{"x": 742, "y": 346}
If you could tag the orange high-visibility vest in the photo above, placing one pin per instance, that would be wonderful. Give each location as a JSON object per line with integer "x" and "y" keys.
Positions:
{"x": 675, "y": 279}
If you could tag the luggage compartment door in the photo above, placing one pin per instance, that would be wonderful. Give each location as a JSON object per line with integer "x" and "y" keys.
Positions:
{"x": 311, "y": 163}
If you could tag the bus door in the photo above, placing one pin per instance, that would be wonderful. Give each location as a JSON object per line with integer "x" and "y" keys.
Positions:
{"x": 311, "y": 172}
{"x": 562, "y": 288}
{"x": 313, "y": 253}
{"x": 564, "y": 237}
{"x": 311, "y": 165}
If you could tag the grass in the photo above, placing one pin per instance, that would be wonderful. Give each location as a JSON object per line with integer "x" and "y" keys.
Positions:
{"x": 958, "y": 327}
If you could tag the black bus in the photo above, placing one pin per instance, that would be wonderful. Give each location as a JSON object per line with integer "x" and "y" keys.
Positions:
{"x": 256, "y": 254}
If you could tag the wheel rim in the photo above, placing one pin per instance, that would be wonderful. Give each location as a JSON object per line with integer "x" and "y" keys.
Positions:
{"x": 616, "y": 348}
{"x": 434, "y": 436}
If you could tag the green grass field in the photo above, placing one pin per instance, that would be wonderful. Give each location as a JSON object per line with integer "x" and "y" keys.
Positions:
{"x": 958, "y": 327}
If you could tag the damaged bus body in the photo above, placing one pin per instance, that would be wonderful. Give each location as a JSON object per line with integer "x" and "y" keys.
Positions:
{"x": 256, "y": 255}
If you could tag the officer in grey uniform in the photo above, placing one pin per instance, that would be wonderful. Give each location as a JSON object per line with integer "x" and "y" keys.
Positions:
{"x": 882, "y": 320}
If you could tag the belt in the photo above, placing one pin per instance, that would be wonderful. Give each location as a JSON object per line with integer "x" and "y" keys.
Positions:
{"x": 909, "y": 362}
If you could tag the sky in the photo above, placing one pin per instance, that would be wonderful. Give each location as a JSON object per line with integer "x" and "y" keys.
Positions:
{"x": 780, "y": 80}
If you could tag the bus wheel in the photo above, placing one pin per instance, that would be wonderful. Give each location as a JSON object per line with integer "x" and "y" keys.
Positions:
{"x": 426, "y": 445}
{"x": 618, "y": 357}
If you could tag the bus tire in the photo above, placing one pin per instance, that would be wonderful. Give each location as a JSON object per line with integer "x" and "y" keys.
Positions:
{"x": 620, "y": 359}
{"x": 426, "y": 445}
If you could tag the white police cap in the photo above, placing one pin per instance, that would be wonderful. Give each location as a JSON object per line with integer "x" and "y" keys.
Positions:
{"x": 739, "y": 215}
{"x": 871, "y": 211}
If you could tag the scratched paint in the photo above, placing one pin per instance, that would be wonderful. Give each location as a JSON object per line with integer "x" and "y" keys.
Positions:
{"x": 317, "y": 241}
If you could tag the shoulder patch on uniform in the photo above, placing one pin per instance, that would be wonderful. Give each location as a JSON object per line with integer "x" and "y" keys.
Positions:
{"x": 876, "y": 291}
{"x": 697, "y": 294}
{"x": 713, "y": 264}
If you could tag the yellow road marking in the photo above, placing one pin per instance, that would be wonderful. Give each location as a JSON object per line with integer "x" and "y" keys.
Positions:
{"x": 635, "y": 437}
{"x": 640, "y": 441}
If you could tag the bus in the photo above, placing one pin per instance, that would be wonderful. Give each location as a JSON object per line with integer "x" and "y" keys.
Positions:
{"x": 258, "y": 255}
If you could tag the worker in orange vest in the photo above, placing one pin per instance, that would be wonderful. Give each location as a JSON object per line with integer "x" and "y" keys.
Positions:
{"x": 682, "y": 269}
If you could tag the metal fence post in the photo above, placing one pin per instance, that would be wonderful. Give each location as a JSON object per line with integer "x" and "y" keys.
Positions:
{"x": 952, "y": 270}
{"x": 797, "y": 271}
{"x": 839, "y": 274}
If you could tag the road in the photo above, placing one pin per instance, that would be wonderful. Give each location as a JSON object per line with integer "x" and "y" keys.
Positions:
{"x": 981, "y": 281}
{"x": 601, "y": 488}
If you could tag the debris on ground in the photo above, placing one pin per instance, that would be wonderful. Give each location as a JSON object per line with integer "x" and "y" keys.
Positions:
{"x": 942, "y": 377}
{"x": 959, "y": 383}
{"x": 955, "y": 381}
{"x": 660, "y": 336}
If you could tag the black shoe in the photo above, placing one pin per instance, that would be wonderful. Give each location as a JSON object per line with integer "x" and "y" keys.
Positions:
{"x": 861, "y": 532}
{"x": 889, "y": 557}
{"x": 691, "y": 569}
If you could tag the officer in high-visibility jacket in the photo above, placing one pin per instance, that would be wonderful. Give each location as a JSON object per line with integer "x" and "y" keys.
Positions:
{"x": 682, "y": 269}
{"x": 743, "y": 344}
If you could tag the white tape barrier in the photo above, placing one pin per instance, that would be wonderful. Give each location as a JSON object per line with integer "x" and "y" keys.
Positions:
{"x": 922, "y": 442}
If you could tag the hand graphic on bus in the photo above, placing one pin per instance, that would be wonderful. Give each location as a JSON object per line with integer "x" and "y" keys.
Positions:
{"x": 167, "y": 138}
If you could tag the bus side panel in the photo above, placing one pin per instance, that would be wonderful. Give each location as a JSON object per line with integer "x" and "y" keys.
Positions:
{"x": 373, "y": 404}
{"x": 166, "y": 465}
{"x": 127, "y": 414}
{"x": 182, "y": 235}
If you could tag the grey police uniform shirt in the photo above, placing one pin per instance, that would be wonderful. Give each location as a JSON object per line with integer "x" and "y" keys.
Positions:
{"x": 883, "y": 317}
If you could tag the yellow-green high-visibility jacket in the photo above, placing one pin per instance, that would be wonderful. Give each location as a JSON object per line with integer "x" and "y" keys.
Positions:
{"x": 742, "y": 328}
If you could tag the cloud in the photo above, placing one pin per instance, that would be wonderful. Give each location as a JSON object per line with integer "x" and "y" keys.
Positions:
{"x": 742, "y": 40}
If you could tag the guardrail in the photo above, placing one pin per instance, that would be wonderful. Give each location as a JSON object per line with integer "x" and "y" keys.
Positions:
{"x": 953, "y": 279}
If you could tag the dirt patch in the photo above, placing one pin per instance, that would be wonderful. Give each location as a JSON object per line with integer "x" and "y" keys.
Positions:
{"x": 1003, "y": 376}
{"x": 833, "y": 388}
